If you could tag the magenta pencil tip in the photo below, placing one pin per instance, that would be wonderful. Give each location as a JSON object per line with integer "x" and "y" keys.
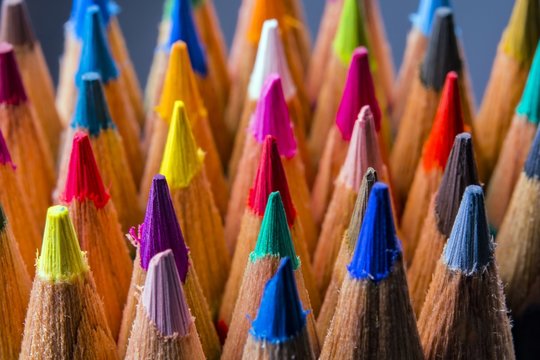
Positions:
{"x": 11, "y": 86}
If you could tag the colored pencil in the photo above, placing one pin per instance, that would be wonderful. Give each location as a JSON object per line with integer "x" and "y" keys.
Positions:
{"x": 374, "y": 316}
{"x": 459, "y": 173}
{"x": 98, "y": 230}
{"x": 465, "y": 316}
{"x": 17, "y": 207}
{"x": 16, "y": 28}
{"x": 363, "y": 153}
{"x": 164, "y": 327}
{"x": 14, "y": 292}
{"x": 270, "y": 177}
{"x": 65, "y": 316}
{"x": 92, "y": 117}
{"x": 273, "y": 244}
{"x": 279, "y": 330}
{"x": 508, "y": 76}
{"x": 447, "y": 124}
{"x": 196, "y": 210}
{"x": 515, "y": 147}
{"x": 346, "y": 249}
{"x": 24, "y": 135}
{"x": 180, "y": 84}
{"x": 442, "y": 56}
{"x": 160, "y": 231}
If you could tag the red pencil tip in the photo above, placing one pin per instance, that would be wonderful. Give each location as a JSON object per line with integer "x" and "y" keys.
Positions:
{"x": 5, "y": 156}
{"x": 83, "y": 178}
{"x": 447, "y": 124}
{"x": 11, "y": 86}
{"x": 270, "y": 177}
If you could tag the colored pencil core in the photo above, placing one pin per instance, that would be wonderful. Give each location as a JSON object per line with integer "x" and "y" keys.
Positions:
{"x": 523, "y": 31}
{"x": 423, "y": 18}
{"x": 5, "y": 156}
{"x": 11, "y": 87}
{"x": 532, "y": 164}
{"x": 351, "y": 32}
{"x": 77, "y": 18}
{"x": 262, "y": 11}
{"x": 529, "y": 105}
{"x": 16, "y": 26}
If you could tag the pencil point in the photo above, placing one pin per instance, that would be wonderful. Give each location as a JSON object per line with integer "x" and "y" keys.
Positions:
{"x": 5, "y": 156}
{"x": 360, "y": 205}
{"x": 271, "y": 117}
{"x": 161, "y": 230}
{"x": 423, "y": 18}
{"x": 16, "y": 26}
{"x": 61, "y": 257}
{"x": 182, "y": 158}
{"x": 359, "y": 90}
{"x": 95, "y": 53}
{"x": 280, "y": 315}
{"x": 183, "y": 28}
{"x": 270, "y": 59}
{"x": 79, "y": 9}
{"x": 11, "y": 87}
{"x": 523, "y": 30}
{"x": 3, "y": 219}
{"x": 529, "y": 106}
{"x": 262, "y": 10}
{"x": 274, "y": 237}
{"x": 83, "y": 178}
{"x": 447, "y": 124}
{"x": 270, "y": 177}
{"x": 377, "y": 247}
{"x": 469, "y": 248}
{"x": 442, "y": 54}
{"x": 532, "y": 165}
{"x": 351, "y": 32}
{"x": 163, "y": 297}
{"x": 91, "y": 110}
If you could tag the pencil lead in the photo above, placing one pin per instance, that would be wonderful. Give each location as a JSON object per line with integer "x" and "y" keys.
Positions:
{"x": 161, "y": 230}
{"x": 529, "y": 106}
{"x": 532, "y": 164}
{"x": 270, "y": 59}
{"x": 95, "y": 53}
{"x": 197, "y": 3}
{"x": 83, "y": 178}
{"x": 447, "y": 124}
{"x": 5, "y": 156}
{"x": 61, "y": 258}
{"x": 271, "y": 117}
{"x": 359, "y": 91}
{"x": 3, "y": 219}
{"x": 262, "y": 10}
{"x": 183, "y": 28}
{"x": 11, "y": 87}
{"x": 459, "y": 173}
{"x": 360, "y": 206}
{"x": 180, "y": 83}
{"x": 16, "y": 26}
{"x": 350, "y": 33}
{"x": 377, "y": 247}
{"x": 280, "y": 315}
{"x": 270, "y": 177}
{"x": 523, "y": 30}
{"x": 79, "y": 8}
{"x": 274, "y": 237}
{"x": 442, "y": 54}
{"x": 423, "y": 18}
{"x": 469, "y": 248}
{"x": 163, "y": 297}
{"x": 91, "y": 110}
{"x": 167, "y": 10}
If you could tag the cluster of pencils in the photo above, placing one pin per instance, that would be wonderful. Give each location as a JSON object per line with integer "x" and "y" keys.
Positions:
{"x": 284, "y": 202}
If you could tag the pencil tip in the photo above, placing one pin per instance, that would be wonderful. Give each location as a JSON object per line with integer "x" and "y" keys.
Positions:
{"x": 423, "y": 18}
{"x": 529, "y": 106}
{"x": 447, "y": 124}
{"x": 532, "y": 164}
{"x": 182, "y": 158}
{"x": 261, "y": 11}
{"x": 5, "y": 156}
{"x": 161, "y": 230}
{"x": 91, "y": 110}
{"x": 61, "y": 257}
{"x": 358, "y": 92}
{"x": 16, "y": 26}
{"x": 79, "y": 8}
{"x": 442, "y": 54}
{"x": 3, "y": 219}
{"x": 183, "y": 28}
{"x": 370, "y": 178}
{"x": 270, "y": 177}
{"x": 351, "y": 31}
{"x": 11, "y": 86}
{"x": 274, "y": 237}
{"x": 469, "y": 248}
{"x": 271, "y": 117}
{"x": 83, "y": 178}
{"x": 280, "y": 317}
{"x": 377, "y": 247}
{"x": 163, "y": 297}
{"x": 459, "y": 173}
{"x": 270, "y": 59}
{"x": 95, "y": 53}
{"x": 523, "y": 30}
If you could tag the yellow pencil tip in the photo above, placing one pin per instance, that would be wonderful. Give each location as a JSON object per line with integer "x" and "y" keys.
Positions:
{"x": 521, "y": 35}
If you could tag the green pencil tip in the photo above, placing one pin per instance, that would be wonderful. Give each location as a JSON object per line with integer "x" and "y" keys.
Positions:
{"x": 351, "y": 32}
{"x": 529, "y": 105}
{"x": 3, "y": 219}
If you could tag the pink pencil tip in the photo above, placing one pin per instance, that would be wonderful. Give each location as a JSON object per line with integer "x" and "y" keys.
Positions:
{"x": 11, "y": 87}
{"x": 5, "y": 156}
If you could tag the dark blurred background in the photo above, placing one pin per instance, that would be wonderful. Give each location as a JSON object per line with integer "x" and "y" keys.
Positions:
{"x": 481, "y": 23}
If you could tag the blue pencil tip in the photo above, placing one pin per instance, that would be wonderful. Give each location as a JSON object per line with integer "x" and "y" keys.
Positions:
{"x": 91, "y": 111}
{"x": 532, "y": 165}
{"x": 77, "y": 17}
{"x": 423, "y": 18}
{"x": 280, "y": 316}
{"x": 183, "y": 28}
{"x": 469, "y": 248}
{"x": 95, "y": 54}
{"x": 378, "y": 247}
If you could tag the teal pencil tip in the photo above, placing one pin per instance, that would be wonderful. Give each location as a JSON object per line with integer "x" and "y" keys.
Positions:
{"x": 529, "y": 105}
